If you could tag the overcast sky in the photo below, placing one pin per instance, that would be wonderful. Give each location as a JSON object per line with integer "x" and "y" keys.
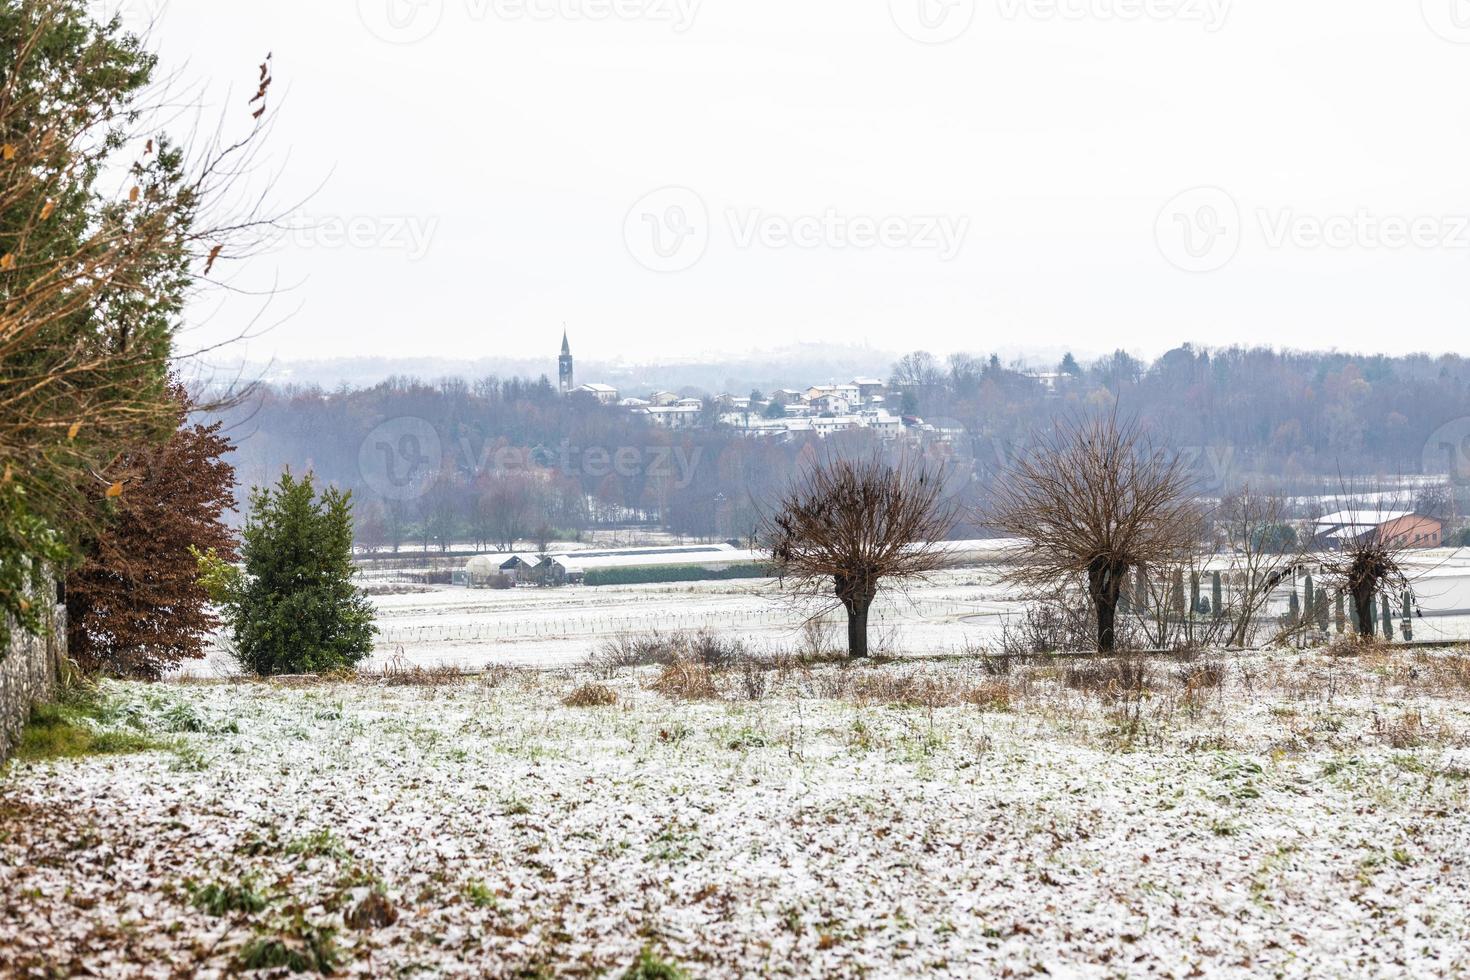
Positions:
{"x": 671, "y": 177}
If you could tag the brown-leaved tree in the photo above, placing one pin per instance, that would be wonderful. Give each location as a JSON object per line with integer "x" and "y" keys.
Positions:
{"x": 135, "y": 605}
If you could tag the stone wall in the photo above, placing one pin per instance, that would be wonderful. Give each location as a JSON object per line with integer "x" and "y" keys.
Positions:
{"x": 28, "y": 672}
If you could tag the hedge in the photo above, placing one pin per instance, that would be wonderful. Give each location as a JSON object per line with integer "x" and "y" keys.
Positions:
{"x": 676, "y": 573}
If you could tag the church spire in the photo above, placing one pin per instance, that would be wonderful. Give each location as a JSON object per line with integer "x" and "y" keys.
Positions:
{"x": 565, "y": 371}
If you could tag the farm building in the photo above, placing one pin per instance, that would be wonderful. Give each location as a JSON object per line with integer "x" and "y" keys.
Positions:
{"x": 1400, "y": 528}
{"x": 655, "y": 565}
{"x": 691, "y": 563}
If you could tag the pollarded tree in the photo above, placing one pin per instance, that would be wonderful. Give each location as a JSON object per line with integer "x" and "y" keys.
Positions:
{"x": 135, "y": 606}
{"x": 848, "y": 525}
{"x": 1363, "y": 568}
{"x": 294, "y": 608}
{"x": 1090, "y": 503}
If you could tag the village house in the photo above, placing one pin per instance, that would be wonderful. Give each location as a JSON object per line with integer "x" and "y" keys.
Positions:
{"x": 606, "y": 394}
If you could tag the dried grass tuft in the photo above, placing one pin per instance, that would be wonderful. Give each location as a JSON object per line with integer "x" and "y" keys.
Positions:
{"x": 591, "y": 696}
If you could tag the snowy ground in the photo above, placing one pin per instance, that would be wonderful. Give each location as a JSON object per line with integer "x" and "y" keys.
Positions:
{"x": 1290, "y": 815}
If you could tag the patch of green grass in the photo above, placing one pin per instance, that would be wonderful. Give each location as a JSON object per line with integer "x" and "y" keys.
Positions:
{"x": 71, "y": 729}
{"x": 650, "y": 966}
{"x": 298, "y": 946}
{"x": 479, "y": 894}
{"x": 322, "y": 843}
{"x": 747, "y": 738}
{"x": 219, "y": 899}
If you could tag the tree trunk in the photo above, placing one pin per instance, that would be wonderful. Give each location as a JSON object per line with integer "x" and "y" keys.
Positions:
{"x": 857, "y": 632}
{"x": 1363, "y": 603}
{"x": 1105, "y": 583}
{"x": 1107, "y": 616}
{"x": 856, "y": 593}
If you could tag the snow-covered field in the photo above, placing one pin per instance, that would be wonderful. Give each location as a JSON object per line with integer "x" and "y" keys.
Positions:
{"x": 474, "y": 628}
{"x": 1280, "y": 814}
{"x": 954, "y": 612}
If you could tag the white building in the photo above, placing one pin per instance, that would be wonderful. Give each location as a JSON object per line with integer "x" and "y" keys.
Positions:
{"x": 606, "y": 394}
{"x": 675, "y": 416}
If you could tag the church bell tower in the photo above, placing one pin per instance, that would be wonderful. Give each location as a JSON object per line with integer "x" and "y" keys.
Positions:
{"x": 564, "y": 364}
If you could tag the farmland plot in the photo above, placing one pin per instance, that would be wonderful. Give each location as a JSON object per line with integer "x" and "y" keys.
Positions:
{"x": 1295, "y": 815}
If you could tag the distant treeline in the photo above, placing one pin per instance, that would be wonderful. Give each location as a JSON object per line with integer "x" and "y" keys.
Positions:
{"x": 513, "y": 461}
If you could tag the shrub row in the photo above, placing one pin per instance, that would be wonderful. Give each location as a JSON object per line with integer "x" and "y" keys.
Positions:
{"x": 677, "y": 573}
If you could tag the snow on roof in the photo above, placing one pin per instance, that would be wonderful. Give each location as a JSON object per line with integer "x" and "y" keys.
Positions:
{"x": 1362, "y": 518}
{"x": 721, "y": 556}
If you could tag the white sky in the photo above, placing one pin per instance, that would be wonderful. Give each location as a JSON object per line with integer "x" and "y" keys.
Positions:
{"x": 495, "y": 168}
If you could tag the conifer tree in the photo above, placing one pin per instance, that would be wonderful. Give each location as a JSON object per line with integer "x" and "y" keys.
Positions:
{"x": 295, "y": 609}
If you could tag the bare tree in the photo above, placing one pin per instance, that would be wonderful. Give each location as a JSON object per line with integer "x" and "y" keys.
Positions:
{"x": 1264, "y": 548}
{"x": 847, "y": 525}
{"x": 1365, "y": 560}
{"x": 1091, "y": 502}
